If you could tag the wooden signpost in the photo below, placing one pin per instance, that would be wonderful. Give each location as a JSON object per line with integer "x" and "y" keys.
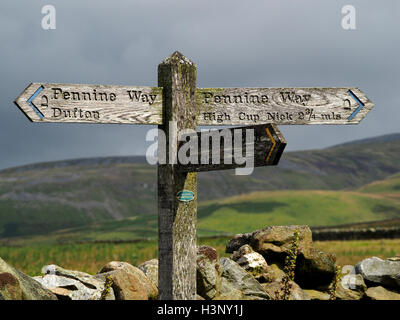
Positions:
{"x": 178, "y": 100}
{"x": 52, "y": 102}
{"x": 221, "y": 106}
{"x": 265, "y": 150}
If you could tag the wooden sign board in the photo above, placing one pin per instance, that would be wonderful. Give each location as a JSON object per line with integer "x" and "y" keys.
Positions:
{"x": 268, "y": 145}
{"x": 283, "y": 106}
{"x": 51, "y": 102}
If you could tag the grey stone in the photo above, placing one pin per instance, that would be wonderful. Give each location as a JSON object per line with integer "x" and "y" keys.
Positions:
{"x": 378, "y": 271}
{"x": 275, "y": 241}
{"x": 275, "y": 287}
{"x": 73, "y": 285}
{"x": 313, "y": 267}
{"x": 229, "y": 291}
{"x": 150, "y": 269}
{"x": 380, "y": 293}
{"x": 237, "y": 241}
{"x": 317, "y": 295}
{"x": 52, "y": 281}
{"x": 254, "y": 263}
{"x": 208, "y": 272}
{"x": 240, "y": 279}
{"x": 15, "y": 285}
{"x": 277, "y": 272}
{"x": 395, "y": 258}
{"x": 272, "y": 240}
{"x": 351, "y": 287}
{"x": 128, "y": 282}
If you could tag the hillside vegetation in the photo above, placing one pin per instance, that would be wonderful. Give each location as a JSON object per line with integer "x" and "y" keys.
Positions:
{"x": 115, "y": 198}
{"x": 389, "y": 187}
{"x": 314, "y": 208}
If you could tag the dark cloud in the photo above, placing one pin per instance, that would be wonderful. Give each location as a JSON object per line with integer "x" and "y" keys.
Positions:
{"x": 234, "y": 44}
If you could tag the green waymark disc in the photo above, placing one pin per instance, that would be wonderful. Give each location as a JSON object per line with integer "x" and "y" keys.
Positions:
{"x": 185, "y": 195}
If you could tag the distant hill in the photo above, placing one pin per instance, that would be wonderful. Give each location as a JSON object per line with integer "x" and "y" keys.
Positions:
{"x": 385, "y": 138}
{"x": 356, "y": 209}
{"x": 389, "y": 186}
{"x": 41, "y": 198}
{"x": 374, "y": 202}
{"x": 76, "y": 162}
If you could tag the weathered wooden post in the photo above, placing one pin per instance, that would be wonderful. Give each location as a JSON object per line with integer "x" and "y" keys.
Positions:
{"x": 177, "y": 220}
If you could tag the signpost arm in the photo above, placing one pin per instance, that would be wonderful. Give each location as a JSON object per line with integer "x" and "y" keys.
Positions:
{"x": 176, "y": 219}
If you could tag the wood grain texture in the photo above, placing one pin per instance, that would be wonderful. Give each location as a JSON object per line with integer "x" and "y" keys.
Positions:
{"x": 267, "y": 147}
{"x": 177, "y": 220}
{"x": 216, "y": 106}
{"x": 84, "y": 103}
{"x": 283, "y": 106}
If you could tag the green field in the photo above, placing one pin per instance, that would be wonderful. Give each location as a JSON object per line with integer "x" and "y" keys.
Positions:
{"x": 389, "y": 186}
{"x": 87, "y": 257}
{"x": 249, "y": 212}
{"x": 314, "y": 208}
{"x": 91, "y": 257}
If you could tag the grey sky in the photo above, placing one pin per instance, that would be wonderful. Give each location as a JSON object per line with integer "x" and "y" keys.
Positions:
{"x": 248, "y": 43}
